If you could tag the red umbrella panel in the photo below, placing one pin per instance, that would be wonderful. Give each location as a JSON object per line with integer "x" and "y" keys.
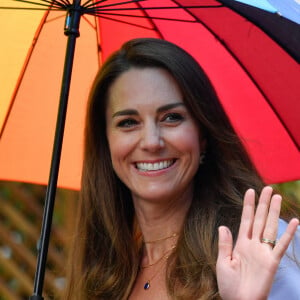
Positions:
{"x": 255, "y": 77}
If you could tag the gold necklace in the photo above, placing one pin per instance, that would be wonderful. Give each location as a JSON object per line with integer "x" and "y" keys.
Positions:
{"x": 166, "y": 256}
{"x": 161, "y": 239}
{"x": 147, "y": 283}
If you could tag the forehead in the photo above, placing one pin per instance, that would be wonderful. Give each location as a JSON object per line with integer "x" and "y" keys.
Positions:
{"x": 141, "y": 87}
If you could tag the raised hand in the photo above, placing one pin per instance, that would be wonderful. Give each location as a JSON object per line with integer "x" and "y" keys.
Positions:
{"x": 247, "y": 269}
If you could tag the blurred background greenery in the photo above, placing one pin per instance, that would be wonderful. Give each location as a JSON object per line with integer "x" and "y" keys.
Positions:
{"x": 21, "y": 209}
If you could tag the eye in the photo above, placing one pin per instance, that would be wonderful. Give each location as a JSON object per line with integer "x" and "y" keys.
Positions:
{"x": 173, "y": 117}
{"x": 127, "y": 123}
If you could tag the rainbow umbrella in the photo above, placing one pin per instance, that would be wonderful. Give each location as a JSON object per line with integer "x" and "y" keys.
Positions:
{"x": 251, "y": 56}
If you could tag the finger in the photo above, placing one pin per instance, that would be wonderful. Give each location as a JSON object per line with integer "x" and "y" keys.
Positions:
{"x": 225, "y": 244}
{"x": 270, "y": 231}
{"x": 283, "y": 243}
{"x": 262, "y": 212}
{"x": 247, "y": 214}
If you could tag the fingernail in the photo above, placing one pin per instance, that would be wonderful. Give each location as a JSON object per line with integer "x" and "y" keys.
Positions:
{"x": 224, "y": 228}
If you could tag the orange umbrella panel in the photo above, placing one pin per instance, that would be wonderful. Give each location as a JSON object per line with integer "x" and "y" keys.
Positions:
{"x": 31, "y": 95}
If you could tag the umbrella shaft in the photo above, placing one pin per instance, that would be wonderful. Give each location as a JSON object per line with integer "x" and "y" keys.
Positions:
{"x": 43, "y": 244}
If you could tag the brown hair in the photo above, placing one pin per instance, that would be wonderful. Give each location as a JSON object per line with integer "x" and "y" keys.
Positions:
{"x": 105, "y": 257}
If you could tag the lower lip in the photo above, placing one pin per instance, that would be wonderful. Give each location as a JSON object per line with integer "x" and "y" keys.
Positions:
{"x": 157, "y": 172}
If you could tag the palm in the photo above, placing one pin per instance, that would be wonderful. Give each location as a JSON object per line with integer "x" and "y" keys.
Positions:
{"x": 247, "y": 270}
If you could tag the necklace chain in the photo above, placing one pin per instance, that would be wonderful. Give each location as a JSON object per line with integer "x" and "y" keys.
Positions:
{"x": 165, "y": 255}
{"x": 162, "y": 239}
{"x": 147, "y": 283}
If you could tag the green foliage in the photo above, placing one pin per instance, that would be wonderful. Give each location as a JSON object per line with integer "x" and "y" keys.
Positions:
{"x": 291, "y": 197}
{"x": 290, "y": 189}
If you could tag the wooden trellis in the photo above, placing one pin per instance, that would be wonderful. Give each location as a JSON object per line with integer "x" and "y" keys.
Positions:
{"x": 21, "y": 209}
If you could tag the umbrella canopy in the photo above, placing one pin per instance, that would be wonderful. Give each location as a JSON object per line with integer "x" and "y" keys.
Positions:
{"x": 288, "y": 8}
{"x": 256, "y": 79}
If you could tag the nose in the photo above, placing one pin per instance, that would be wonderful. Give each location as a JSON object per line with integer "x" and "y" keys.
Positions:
{"x": 151, "y": 138}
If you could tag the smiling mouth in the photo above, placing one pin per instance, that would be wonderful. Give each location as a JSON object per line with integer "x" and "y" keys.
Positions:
{"x": 154, "y": 166}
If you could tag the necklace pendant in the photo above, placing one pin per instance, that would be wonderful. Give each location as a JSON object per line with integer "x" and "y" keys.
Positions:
{"x": 147, "y": 285}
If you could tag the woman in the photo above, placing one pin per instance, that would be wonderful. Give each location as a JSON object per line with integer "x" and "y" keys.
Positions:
{"x": 163, "y": 188}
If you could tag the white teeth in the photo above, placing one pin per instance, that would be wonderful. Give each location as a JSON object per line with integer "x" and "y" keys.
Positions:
{"x": 154, "y": 166}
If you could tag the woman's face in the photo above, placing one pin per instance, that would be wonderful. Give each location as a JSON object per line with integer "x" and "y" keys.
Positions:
{"x": 155, "y": 144}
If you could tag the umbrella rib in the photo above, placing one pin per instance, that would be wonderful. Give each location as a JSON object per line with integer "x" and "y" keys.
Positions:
{"x": 86, "y": 4}
{"x": 89, "y": 22}
{"x": 166, "y": 7}
{"x": 40, "y": 4}
{"x": 186, "y": 8}
{"x": 150, "y": 8}
{"x": 60, "y": 3}
{"x": 150, "y": 21}
{"x": 124, "y": 22}
{"x": 95, "y": 4}
{"x": 212, "y": 32}
{"x": 66, "y": 2}
{"x": 89, "y": 3}
{"x": 100, "y": 14}
{"x": 54, "y": 19}
{"x": 22, "y": 73}
{"x": 51, "y": 2}
{"x": 95, "y": 9}
{"x": 31, "y": 8}
{"x": 99, "y": 11}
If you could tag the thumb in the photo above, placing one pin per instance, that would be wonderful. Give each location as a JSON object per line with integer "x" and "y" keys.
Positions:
{"x": 225, "y": 244}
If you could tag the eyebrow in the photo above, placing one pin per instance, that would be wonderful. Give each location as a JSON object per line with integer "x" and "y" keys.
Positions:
{"x": 131, "y": 112}
{"x": 169, "y": 106}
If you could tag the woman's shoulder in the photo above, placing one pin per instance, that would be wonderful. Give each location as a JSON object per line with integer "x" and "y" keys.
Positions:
{"x": 287, "y": 280}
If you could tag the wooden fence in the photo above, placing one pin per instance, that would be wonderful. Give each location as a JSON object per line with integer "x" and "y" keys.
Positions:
{"x": 21, "y": 210}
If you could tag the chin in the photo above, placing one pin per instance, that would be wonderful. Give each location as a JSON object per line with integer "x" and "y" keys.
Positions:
{"x": 156, "y": 196}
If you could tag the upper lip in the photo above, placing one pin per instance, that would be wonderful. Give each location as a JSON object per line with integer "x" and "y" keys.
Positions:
{"x": 153, "y": 161}
{"x": 154, "y": 165}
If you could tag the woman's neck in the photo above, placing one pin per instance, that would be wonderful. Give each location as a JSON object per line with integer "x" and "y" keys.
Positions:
{"x": 160, "y": 224}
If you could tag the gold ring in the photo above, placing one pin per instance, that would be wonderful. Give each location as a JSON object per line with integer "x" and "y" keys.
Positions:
{"x": 269, "y": 242}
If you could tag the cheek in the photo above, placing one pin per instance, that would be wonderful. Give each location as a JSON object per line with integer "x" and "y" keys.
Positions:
{"x": 120, "y": 147}
{"x": 191, "y": 146}
{"x": 188, "y": 140}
